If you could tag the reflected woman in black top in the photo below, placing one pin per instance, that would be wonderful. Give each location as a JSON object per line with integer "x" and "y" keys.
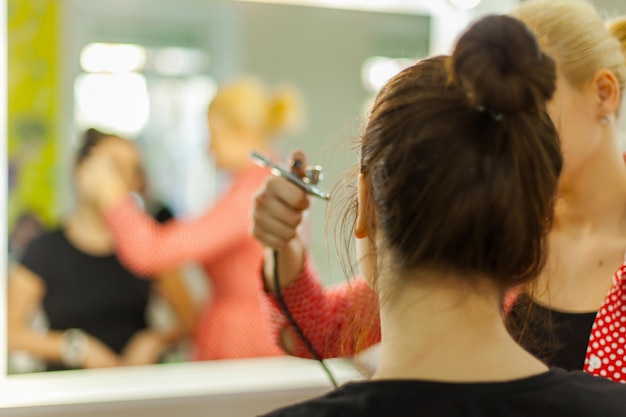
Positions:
{"x": 96, "y": 308}
{"x": 454, "y": 200}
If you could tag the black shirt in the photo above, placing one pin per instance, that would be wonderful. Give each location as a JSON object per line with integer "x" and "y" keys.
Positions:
{"x": 556, "y": 393}
{"x": 93, "y": 293}
{"x": 559, "y": 339}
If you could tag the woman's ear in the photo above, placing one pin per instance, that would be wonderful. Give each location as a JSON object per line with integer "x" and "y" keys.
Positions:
{"x": 363, "y": 220}
{"x": 606, "y": 89}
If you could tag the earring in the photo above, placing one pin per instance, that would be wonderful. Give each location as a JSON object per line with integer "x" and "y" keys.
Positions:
{"x": 604, "y": 120}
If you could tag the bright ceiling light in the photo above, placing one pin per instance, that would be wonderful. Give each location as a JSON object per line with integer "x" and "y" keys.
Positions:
{"x": 112, "y": 58}
{"x": 113, "y": 102}
{"x": 180, "y": 61}
{"x": 377, "y": 70}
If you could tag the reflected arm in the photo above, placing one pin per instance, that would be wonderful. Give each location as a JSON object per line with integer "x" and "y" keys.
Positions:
{"x": 172, "y": 286}
{"x": 148, "y": 248}
{"x": 147, "y": 346}
{"x": 25, "y": 294}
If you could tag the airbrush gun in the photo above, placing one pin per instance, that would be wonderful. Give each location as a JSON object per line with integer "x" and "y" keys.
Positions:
{"x": 312, "y": 175}
{"x": 306, "y": 180}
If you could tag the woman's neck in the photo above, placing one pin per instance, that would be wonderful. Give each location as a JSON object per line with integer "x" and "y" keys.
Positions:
{"x": 449, "y": 332}
{"x": 87, "y": 231}
{"x": 594, "y": 197}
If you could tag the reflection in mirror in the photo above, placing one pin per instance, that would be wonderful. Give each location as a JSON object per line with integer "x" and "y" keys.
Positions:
{"x": 144, "y": 72}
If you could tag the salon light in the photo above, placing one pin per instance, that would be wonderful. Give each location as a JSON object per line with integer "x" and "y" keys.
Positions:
{"x": 465, "y": 4}
{"x": 112, "y": 58}
{"x": 377, "y": 70}
{"x": 176, "y": 61}
{"x": 113, "y": 102}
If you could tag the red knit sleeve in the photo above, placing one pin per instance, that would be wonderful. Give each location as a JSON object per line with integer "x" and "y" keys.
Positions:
{"x": 339, "y": 321}
{"x": 147, "y": 247}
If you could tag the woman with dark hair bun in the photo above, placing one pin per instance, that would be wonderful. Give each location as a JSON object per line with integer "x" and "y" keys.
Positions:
{"x": 571, "y": 317}
{"x": 459, "y": 166}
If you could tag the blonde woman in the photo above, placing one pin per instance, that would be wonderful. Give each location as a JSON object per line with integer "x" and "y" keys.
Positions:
{"x": 575, "y": 306}
{"x": 244, "y": 116}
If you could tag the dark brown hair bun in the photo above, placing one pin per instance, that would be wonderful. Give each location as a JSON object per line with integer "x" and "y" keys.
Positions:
{"x": 500, "y": 65}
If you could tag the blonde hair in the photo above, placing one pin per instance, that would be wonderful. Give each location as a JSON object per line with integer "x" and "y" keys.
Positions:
{"x": 248, "y": 105}
{"x": 573, "y": 33}
{"x": 617, "y": 28}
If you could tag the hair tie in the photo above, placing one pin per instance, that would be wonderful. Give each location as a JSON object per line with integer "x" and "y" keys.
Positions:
{"x": 498, "y": 117}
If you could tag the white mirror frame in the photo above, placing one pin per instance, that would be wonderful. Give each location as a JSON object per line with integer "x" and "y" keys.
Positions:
{"x": 3, "y": 183}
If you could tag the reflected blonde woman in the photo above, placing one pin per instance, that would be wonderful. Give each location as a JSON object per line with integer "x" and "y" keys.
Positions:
{"x": 245, "y": 115}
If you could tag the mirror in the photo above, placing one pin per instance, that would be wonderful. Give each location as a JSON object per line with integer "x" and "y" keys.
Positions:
{"x": 147, "y": 69}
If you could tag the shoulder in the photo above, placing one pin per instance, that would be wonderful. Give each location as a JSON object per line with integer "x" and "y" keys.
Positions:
{"x": 243, "y": 185}
{"x": 42, "y": 251}
{"x": 555, "y": 393}
{"x": 327, "y": 406}
{"x": 44, "y": 244}
{"x": 363, "y": 399}
{"x": 251, "y": 177}
{"x": 587, "y": 383}
{"x": 600, "y": 395}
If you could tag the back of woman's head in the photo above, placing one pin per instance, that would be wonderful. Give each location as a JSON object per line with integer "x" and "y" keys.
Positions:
{"x": 249, "y": 105}
{"x": 572, "y": 32}
{"x": 463, "y": 160}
